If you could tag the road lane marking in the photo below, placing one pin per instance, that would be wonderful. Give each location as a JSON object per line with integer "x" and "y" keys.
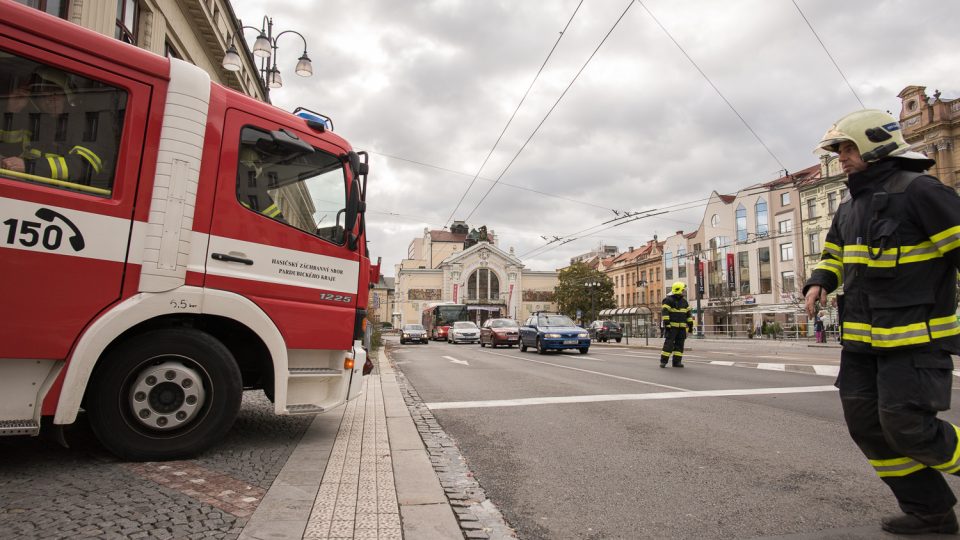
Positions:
{"x": 590, "y": 371}
{"x": 581, "y": 357}
{"x": 627, "y": 397}
{"x": 722, "y": 362}
{"x": 772, "y": 367}
{"x": 456, "y": 361}
{"x": 832, "y": 371}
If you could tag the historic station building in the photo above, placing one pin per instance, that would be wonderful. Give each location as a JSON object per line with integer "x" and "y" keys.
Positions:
{"x": 464, "y": 266}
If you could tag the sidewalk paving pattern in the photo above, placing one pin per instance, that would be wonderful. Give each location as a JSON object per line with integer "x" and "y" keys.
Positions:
{"x": 368, "y": 487}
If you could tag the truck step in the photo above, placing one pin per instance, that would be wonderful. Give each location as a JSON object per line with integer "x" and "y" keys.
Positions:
{"x": 19, "y": 427}
{"x": 313, "y": 372}
{"x": 305, "y": 408}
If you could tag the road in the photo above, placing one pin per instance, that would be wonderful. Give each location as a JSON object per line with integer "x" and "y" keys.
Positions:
{"x": 608, "y": 445}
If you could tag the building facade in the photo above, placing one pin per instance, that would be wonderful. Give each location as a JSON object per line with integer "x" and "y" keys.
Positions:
{"x": 381, "y": 304}
{"x": 931, "y": 124}
{"x": 469, "y": 268}
{"x": 199, "y": 32}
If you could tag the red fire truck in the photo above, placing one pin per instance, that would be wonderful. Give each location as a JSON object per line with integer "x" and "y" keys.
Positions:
{"x": 165, "y": 244}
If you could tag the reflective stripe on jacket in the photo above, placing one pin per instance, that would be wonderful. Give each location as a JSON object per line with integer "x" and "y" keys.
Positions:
{"x": 676, "y": 312}
{"x": 895, "y": 248}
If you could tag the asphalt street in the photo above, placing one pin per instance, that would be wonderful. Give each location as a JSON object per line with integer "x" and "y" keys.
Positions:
{"x": 608, "y": 445}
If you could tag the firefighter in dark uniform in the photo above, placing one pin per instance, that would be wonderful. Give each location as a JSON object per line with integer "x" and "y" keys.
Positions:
{"x": 677, "y": 321}
{"x": 894, "y": 246}
{"x": 46, "y": 144}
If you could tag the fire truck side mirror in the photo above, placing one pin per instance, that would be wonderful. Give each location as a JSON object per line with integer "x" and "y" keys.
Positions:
{"x": 357, "y": 167}
{"x": 353, "y": 207}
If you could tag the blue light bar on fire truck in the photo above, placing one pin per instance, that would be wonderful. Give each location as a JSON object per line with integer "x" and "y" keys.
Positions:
{"x": 314, "y": 119}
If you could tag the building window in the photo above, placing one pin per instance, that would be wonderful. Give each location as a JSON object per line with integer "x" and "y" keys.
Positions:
{"x": 483, "y": 285}
{"x": 643, "y": 297}
{"x": 813, "y": 240}
{"x": 53, "y": 7}
{"x": 831, "y": 203}
{"x": 784, "y": 198}
{"x": 743, "y": 263}
{"x": 786, "y": 251}
{"x": 843, "y": 193}
{"x": 715, "y": 220}
{"x": 668, "y": 265}
{"x": 788, "y": 282}
{"x": 762, "y": 218}
{"x": 170, "y": 51}
{"x": 785, "y": 226}
{"x": 741, "y": 224}
{"x": 681, "y": 263}
{"x": 811, "y": 208}
{"x": 764, "y": 267}
{"x": 128, "y": 14}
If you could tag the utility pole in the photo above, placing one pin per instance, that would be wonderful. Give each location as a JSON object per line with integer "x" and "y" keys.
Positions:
{"x": 699, "y": 279}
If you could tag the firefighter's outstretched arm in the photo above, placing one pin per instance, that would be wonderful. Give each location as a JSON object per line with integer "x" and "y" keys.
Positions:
{"x": 828, "y": 274}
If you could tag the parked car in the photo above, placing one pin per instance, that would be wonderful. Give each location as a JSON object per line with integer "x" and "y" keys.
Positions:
{"x": 463, "y": 332}
{"x": 605, "y": 330}
{"x": 413, "y": 332}
{"x": 546, "y": 331}
{"x": 500, "y": 332}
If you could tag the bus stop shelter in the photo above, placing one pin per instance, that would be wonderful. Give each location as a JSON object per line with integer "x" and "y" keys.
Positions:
{"x": 636, "y": 321}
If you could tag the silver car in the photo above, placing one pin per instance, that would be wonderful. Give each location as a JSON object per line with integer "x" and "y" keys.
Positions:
{"x": 463, "y": 332}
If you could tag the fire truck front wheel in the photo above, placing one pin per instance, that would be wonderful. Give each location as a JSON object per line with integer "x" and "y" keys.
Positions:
{"x": 165, "y": 394}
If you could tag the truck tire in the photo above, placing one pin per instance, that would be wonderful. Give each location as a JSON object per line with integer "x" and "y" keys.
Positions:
{"x": 166, "y": 394}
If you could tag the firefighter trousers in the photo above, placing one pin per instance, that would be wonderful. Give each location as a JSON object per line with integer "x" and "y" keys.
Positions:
{"x": 673, "y": 344}
{"x": 890, "y": 404}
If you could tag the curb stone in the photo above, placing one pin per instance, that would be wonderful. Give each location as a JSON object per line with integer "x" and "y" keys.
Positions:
{"x": 478, "y": 517}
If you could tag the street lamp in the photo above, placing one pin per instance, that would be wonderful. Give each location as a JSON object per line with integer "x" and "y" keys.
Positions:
{"x": 593, "y": 286}
{"x": 265, "y": 48}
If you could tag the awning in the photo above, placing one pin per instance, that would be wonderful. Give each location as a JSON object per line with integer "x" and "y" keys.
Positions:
{"x": 636, "y": 310}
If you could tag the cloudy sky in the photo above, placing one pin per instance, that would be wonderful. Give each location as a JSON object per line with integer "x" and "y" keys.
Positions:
{"x": 427, "y": 87}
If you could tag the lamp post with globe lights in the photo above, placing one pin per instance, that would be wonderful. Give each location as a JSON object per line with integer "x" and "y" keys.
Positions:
{"x": 265, "y": 48}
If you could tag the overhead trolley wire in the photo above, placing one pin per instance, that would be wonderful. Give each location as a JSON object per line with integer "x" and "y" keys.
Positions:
{"x": 612, "y": 28}
{"x": 715, "y": 89}
{"x": 512, "y": 116}
{"x": 830, "y": 56}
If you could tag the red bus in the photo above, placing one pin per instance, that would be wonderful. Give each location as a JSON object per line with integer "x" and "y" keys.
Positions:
{"x": 438, "y": 319}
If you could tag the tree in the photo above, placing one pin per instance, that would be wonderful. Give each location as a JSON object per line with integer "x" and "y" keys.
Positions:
{"x": 573, "y": 292}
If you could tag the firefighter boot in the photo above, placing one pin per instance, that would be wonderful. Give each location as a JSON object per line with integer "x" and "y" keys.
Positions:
{"x": 921, "y": 523}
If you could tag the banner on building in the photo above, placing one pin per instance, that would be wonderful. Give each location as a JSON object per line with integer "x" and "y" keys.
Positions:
{"x": 731, "y": 273}
{"x": 455, "y": 287}
{"x": 510, "y": 296}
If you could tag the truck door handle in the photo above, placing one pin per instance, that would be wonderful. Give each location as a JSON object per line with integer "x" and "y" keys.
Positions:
{"x": 231, "y": 258}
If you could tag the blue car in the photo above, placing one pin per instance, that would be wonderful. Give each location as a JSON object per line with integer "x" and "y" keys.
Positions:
{"x": 552, "y": 331}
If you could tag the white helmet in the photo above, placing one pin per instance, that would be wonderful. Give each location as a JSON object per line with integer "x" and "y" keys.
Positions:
{"x": 877, "y": 135}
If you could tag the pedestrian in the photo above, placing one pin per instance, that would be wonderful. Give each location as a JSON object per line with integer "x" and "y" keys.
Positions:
{"x": 818, "y": 329}
{"x": 677, "y": 321}
{"x": 894, "y": 244}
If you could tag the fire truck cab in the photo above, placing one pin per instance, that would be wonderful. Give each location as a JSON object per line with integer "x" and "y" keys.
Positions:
{"x": 165, "y": 244}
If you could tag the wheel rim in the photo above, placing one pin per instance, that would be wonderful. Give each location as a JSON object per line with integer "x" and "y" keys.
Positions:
{"x": 166, "y": 396}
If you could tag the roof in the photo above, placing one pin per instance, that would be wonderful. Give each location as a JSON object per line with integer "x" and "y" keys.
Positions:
{"x": 447, "y": 236}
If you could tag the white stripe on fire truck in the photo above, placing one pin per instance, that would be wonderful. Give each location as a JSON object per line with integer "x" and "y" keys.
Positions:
{"x": 27, "y": 226}
{"x": 284, "y": 266}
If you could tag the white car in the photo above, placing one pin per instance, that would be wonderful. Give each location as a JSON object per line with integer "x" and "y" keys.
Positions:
{"x": 463, "y": 332}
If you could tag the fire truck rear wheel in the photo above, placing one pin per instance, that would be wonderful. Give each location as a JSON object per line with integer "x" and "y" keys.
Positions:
{"x": 165, "y": 394}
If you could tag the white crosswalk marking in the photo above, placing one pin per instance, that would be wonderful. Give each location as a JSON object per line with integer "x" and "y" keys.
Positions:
{"x": 628, "y": 397}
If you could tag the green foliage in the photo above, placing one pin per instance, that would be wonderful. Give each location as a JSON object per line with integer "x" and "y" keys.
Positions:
{"x": 376, "y": 338}
{"x": 572, "y": 292}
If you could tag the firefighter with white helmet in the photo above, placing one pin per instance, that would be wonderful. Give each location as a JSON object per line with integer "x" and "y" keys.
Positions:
{"x": 894, "y": 246}
{"x": 677, "y": 321}
{"x": 253, "y": 188}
